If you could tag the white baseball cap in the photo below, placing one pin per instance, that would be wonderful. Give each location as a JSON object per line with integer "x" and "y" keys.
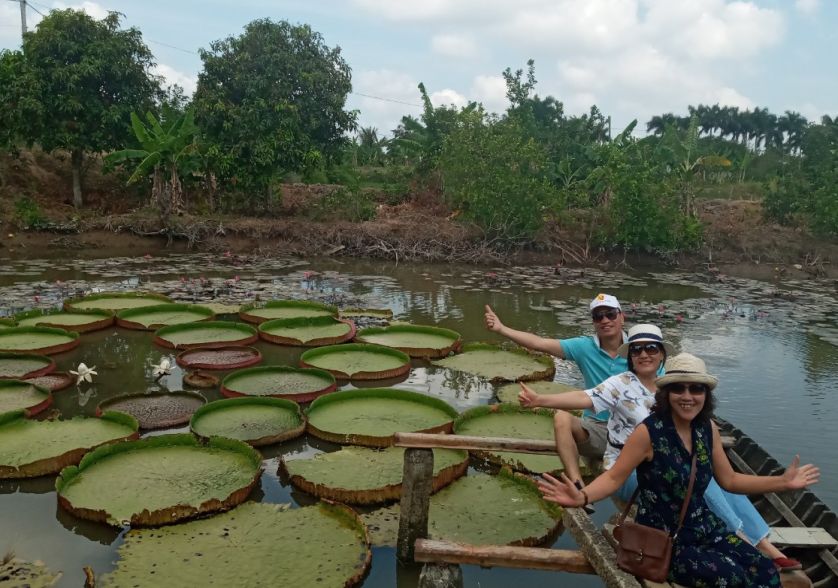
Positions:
{"x": 605, "y": 300}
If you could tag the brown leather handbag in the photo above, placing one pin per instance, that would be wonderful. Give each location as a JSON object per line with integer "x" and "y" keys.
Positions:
{"x": 646, "y": 551}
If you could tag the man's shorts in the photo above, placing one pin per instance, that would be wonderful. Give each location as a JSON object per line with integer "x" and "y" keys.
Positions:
{"x": 594, "y": 446}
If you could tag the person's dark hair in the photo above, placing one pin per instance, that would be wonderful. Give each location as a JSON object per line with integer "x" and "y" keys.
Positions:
{"x": 631, "y": 363}
{"x": 662, "y": 406}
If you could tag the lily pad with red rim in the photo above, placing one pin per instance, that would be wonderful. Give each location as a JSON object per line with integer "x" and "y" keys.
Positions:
{"x": 360, "y": 361}
{"x": 20, "y": 366}
{"x": 158, "y": 410}
{"x": 256, "y": 421}
{"x": 307, "y": 331}
{"x": 17, "y": 395}
{"x": 115, "y": 301}
{"x": 285, "y": 309}
{"x": 149, "y": 318}
{"x": 208, "y": 334}
{"x": 371, "y": 416}
{"x": 159, "y": 480}
{"x": 298, "y": 384}
{"x": 41, "y": 340}
{"x": 415, "y": 340}
{"x": 53, "y": 381}
{"x": 500, "y": 365}
{"x": 80, "y": 321}
{"x": 222, "y": 358}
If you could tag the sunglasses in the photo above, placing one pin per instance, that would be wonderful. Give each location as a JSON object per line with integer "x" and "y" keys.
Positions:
{"x": 650, "y": 349}
{"x": 695, "y": 389}
{"x": 610, "y": 314}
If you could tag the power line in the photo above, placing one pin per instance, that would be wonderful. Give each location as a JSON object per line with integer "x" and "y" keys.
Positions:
{"x": 29, "y": 4}
{"x": 387, "y": 99}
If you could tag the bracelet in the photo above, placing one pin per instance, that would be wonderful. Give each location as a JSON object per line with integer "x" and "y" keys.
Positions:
{"x": 585, "y": 494}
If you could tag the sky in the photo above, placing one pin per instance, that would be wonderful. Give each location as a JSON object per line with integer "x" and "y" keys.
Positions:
{"x": 632, "y": 58}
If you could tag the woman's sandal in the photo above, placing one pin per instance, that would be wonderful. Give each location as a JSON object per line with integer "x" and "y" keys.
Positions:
{"x": 787, "y": 564}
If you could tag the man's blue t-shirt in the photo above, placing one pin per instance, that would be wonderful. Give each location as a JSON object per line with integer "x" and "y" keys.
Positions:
{"x": 594, "y": 363}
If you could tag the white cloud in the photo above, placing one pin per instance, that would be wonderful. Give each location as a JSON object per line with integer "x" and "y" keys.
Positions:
{"x": 448, "y": 97}
{"x": 457, "y": 46}
{"x": 807, "y": 7}
{"x": 93, "y": 9}
{"x": 399, "y": 88}
{"x": 491, "y": 92}
{"x": 173, "y": 76}
{"x": 10, "y": 19}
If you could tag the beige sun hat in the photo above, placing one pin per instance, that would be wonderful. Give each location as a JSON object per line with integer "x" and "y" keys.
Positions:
{"x": 645, "y": 334}
{"x": 687, "y": 368}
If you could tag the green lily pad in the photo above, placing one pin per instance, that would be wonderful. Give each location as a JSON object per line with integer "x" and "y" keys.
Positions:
{"x": 20, "y": 366}
{"x": 221, "y": 307}
{"x": 479, "y": 509}
{"x": 360, "y": 361}
{"x": 207, "y": 334}
{"x": 285, "y": 309}
{"x": 17, "y": 573}
{"x": 158, "y": 410}
{"x": 159, "y": 480}
{"x": 376, "y": 313}
{"x": 222, "y": 358}
{"x": 371, "y": 416}
{"x": 323, "y": 542}
{"x": 43, "y": 340}
{"x": 31, "y": 448}
{"x": 6, "y": 323}
{"x": 149, "y": 318}
{"x": 115, "y": 301}
{"x": 80, "y": 321}
{"x": 496, "y": 364}
{"x": 256, "y": 421}
{"x": 415, "y": 340}
{"x": 16, "y": 395}
{"x": 509, "y": 392}
{"x": 297, "y": 384}
{"x": 307, "y": 331}
{"x": 511, "y": 420}
{"x": 356, "y": 475}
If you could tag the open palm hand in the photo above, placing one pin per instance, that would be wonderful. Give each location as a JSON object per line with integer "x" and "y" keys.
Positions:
{"x": 561, "y": 491}
{"x": 797, "y": 476}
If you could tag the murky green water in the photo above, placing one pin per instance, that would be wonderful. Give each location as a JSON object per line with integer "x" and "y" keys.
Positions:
{"x": 772, "y": 345}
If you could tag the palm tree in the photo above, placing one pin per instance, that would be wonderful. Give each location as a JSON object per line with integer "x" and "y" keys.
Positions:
{"x": 370, "y": 147}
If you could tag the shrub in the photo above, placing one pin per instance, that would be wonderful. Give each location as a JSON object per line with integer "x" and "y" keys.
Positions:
{"x": 342, "y": 204}
{"x": 27, "y": 214}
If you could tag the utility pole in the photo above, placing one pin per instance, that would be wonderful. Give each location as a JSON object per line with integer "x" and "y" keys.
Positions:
{"x": 22, "y": 18}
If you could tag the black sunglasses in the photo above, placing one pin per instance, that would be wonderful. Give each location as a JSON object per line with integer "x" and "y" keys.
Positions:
{"x": 680, "y": 388}
{"x": 611, "y": 314}
{"x": 650, "y": 349}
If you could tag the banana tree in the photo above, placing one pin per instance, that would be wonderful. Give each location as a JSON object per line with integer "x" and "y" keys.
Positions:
{"x": 167, "y": 150}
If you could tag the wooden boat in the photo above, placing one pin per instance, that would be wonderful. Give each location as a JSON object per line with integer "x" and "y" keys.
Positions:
{"x": 815, "y": 549}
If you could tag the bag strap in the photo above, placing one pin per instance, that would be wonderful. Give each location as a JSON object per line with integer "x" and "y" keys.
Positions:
{"x": 684, "y": 506}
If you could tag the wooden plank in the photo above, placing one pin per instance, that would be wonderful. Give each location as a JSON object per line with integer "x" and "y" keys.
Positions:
{"x": 429, "y": 440}
{"x": 538, "y": 558}
{"x": 802, "y": 537}
{"x": 417, "y": 477}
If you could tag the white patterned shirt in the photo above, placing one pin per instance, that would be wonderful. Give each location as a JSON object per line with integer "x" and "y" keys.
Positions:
{"x": 629, "y": 402}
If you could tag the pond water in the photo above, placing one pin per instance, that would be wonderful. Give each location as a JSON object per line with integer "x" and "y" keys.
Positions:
{"x": 773, "y": 346}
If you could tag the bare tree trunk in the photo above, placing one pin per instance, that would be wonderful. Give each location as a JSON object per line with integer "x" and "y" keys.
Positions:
{"x": 77, "y": 157}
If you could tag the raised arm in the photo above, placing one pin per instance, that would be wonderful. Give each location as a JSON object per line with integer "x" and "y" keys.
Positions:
{"x": 637, "y": 449}
{"x": 571, "y": 400}
{"x": 794, "y": 478}
{"x": 522, "y": 338}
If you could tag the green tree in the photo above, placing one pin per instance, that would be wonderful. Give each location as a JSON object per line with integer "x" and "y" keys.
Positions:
{"x": 270, "y": 102}
{"x": 74, "y": 85}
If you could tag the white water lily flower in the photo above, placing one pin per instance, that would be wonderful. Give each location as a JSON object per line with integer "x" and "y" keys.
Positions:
{"x": 84, "y": 373}
{"x": 163, "y": 368}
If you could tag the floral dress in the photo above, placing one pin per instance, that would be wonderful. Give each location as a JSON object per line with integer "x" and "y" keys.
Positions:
{"x": 704, "y": 553}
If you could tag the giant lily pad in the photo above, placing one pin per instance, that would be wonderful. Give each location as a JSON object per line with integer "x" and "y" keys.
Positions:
{"x": 509, "y": 392}
{"x": 481, "y": 510}
{"x": 149, "y": 318}
{"x": 285, "y": 309}
{"x": 80, "y": 321}
{"x": 256, "y": 421}
{"x": 21, "y": 366}
{"x": 159, "y": 480}
{"x": 31, "y": 448}
{"x": 357, "y": 475}
{"x": 323, "y": 545}
{"x": 307, "y": 331}
{"x": 44, "y": 340}
{"x": 371, "y": 416}
{"x": 6, "y": 323}
{"x": 16, "y": 395}
{"x": 222, "y": 358}
{"x": 415, "y": 340}
{"x": 358, "y": 361}
{"x": 209, "y": 334}
{"x": 497, "y": 365}
{"x": 298, "y": 384}
{"x": 17, "y": 573}
{"x": 115, "y": 301}
{"x": 53, "y": 381}
{"x": 158, "y": 410}
{"x": 510, "y": 420}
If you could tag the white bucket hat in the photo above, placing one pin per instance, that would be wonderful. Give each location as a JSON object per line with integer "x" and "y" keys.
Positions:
{"x": 687, "y": 368}
{"x": 605, "y": 300}
{"x": 645, "y": 334}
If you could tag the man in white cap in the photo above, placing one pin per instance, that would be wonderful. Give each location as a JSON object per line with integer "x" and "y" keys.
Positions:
{"x": 597, "y": 359}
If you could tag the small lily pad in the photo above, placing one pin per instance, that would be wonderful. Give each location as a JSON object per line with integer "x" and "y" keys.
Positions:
{"x": 360, "y": 361}
{"x": 115, "y": 301}
{"x": 222, "y": 358}
{"x": 371, "y": 416}
{"x": 375, "y": 313}
{"x": 509, "y": 392}
{"x": 149, "y": 318}
{"x": 256, "y": 421}
{"x": 157, "y": 410}
{"x": 297, "y": 384}
{"x": 415, "y": 340}
{"x": 356, "y": 475}
{"x": 43, "y": 340}
{"x": 307, "y": 331}
{"x": 80, "y": 321}
{"x": 208, "y": 334}
{"x": 285, "y": 309}
{"x": 498, "y": 365}
{"x": 16, "y": 395}
{"x": 21, "y": 366}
